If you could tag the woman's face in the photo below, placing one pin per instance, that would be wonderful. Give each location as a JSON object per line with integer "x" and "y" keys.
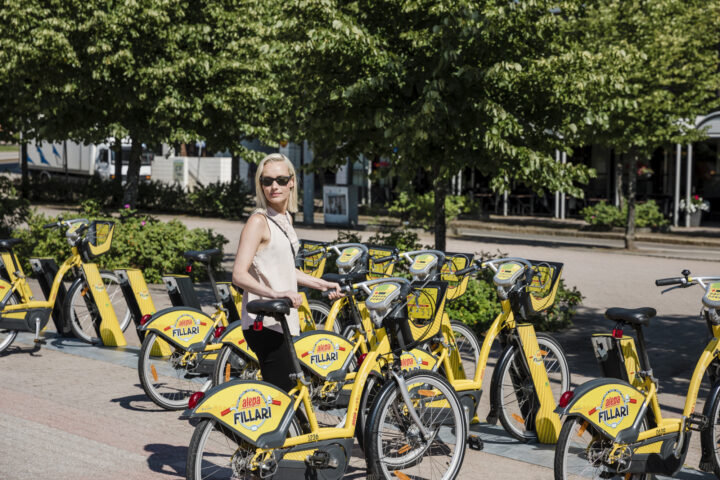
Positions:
{"x": 276, "y": 194}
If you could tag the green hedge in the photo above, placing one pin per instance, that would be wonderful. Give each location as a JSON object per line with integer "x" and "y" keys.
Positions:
{"x": 602, "y": 216}
{"x": 226, "y": 200}
{"x": 139, "y": 241}
{"x": 13, "y": 209}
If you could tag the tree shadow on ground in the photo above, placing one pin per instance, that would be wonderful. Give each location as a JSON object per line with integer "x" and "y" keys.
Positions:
{"x": 167, "y": 459}
{"x": 137, "y": 403}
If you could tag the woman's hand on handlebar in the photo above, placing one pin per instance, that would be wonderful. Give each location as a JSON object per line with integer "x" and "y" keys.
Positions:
{"x": 333, "y": 291}
{"x": 294, "y": 297}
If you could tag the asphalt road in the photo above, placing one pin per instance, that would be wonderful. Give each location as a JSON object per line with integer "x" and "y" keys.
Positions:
{"x": 73, "y": 411}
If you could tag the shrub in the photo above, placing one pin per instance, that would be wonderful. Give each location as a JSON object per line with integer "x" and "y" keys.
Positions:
{"x": 13, "y": 209}
{"x": 139, "y": 241}
{"x": 418, "y": 209}
{"x": 226, "y": 200}
{"x": 604, "y": 216}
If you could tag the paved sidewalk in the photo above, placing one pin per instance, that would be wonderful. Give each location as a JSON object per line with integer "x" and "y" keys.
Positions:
{"x": 606, "y": 275}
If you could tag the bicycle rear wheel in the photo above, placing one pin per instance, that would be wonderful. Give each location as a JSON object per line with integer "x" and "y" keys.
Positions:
{"x": 230, "y": 365}
{"x": 395, "y": 446}
{"x": 215, "y": 452}
{"x": 169, "y": 380}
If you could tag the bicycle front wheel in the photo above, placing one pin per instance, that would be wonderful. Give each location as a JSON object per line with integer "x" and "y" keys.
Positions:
{"x": 515, "y": 394}
{"x": 83, "y": 314}
{"x": 395, "y": 444}
{"x": 7, "y": 337}
{"x": 168, "y": 380}
{"x": 320, "y": 312}
{"x": 468, "y": 347}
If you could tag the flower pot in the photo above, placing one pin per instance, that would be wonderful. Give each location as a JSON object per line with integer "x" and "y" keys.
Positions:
{"x": 695, "y": 218}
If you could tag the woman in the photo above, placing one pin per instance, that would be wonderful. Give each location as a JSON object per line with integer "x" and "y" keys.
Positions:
{"x": 265, "y": 266}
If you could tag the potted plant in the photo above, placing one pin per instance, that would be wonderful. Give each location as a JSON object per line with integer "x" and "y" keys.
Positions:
{"x": 644, "y": 172}
{"x": 695, "y": 208}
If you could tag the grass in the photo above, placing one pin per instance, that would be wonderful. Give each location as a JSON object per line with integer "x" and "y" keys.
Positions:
{"x": 9, "y": 148}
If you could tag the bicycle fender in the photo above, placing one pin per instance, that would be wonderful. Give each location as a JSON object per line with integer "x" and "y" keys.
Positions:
{"x": 323, "y": 352}
{"x": 611, "y": 405}
{"x": 234, "y": 336}
{"x": 5, "y": 292}
{"x": 181, "y": 326}
{"x": 258, "y": 412}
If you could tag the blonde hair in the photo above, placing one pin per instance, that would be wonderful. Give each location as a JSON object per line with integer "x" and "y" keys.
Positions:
{"x": 260, "y": 199}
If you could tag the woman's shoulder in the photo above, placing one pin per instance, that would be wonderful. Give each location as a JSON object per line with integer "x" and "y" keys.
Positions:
{"x": 257, "y": 219}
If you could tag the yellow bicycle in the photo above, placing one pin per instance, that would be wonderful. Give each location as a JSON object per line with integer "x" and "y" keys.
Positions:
{"x": 251, "y": 429}
{"x": 614, "y": 427}
{"x": 89, "y": 308}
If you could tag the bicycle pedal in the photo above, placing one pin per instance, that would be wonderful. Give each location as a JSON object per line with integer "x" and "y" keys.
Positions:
{"x": 40, "y": 341}
{"x": 321, "y": 459}
{"x": 697, "y": 422}
{"x": 475, "y": 442}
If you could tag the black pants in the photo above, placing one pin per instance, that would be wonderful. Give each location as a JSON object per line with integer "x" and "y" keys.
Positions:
{"x": 274, "y": 357}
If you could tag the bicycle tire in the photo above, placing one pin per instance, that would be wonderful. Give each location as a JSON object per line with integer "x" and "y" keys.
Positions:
{"x": 585, "y": 435}
{"x": 83, "y": 317}
{"x": 515, "y": 415}
{"x": 229, "y": 447}
{"x": 372, "y": 387}
{"x": 468, "y": 347}
{"x": 228, "y": 355}
{"x": 711, "y": 435}
{"x": 165, "y": 380}
{"x": 320, "y": 311}
{"x": 448, "y": 427}
{"x": 7, "y": 337}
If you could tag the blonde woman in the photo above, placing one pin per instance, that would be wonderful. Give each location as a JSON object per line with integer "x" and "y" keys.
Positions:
{"x": 265, "y": 266}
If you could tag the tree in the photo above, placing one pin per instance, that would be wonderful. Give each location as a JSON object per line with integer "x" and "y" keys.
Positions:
{"x": 439, "y": 85}
{"x": 665, "y": 53}
{"x": 90, "y": 70}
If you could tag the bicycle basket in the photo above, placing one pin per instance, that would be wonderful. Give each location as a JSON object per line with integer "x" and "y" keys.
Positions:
{"x": 98, "y": 238}
{"x": 456, "y": 285}
{"x": 314, "y": 261}
{"x": 539, "y": 295}
{"x": 380, "y": 270}
{"x": 426, "y": 304}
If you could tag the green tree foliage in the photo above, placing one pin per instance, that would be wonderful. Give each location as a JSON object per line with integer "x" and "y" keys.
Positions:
{"x": 440, "y": 85}
{"x": 664, "y": 53}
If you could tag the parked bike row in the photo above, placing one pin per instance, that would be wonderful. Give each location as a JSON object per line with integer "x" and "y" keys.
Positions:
{"x": 384, "y": 364}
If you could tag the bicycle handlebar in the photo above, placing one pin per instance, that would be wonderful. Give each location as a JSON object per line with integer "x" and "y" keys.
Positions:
{"x": 383, "y": 259}
{"x": 661, "y": 282}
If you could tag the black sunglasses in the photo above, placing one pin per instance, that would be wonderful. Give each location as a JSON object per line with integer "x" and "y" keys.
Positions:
{"x": 281, "y": 180}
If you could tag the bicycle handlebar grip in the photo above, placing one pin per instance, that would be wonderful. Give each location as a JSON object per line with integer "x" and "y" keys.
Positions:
{"x": 383, "y": 259}
{"x": 661, "y": 282}
{"x": 464, "y": 271}
{"x": 50, "y": 225}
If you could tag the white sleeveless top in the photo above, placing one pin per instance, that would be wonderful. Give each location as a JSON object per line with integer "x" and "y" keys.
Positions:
{"x": 274, "y": 266}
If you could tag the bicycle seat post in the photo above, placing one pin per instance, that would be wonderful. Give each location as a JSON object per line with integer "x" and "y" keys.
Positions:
{"x": 213, "y": 283}
{"x": 644, "y": 359}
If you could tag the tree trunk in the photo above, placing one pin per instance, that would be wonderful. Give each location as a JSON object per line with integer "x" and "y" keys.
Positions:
{"x": 117, "y": 181}
{"x": 234, "y": 167}
{"x": 631, "y": 193}
{"x": 440, "y": 187}
{"x": 619, "y": 162}
{"x": 25, "y": 182}
{"x": 133, "y": 173}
